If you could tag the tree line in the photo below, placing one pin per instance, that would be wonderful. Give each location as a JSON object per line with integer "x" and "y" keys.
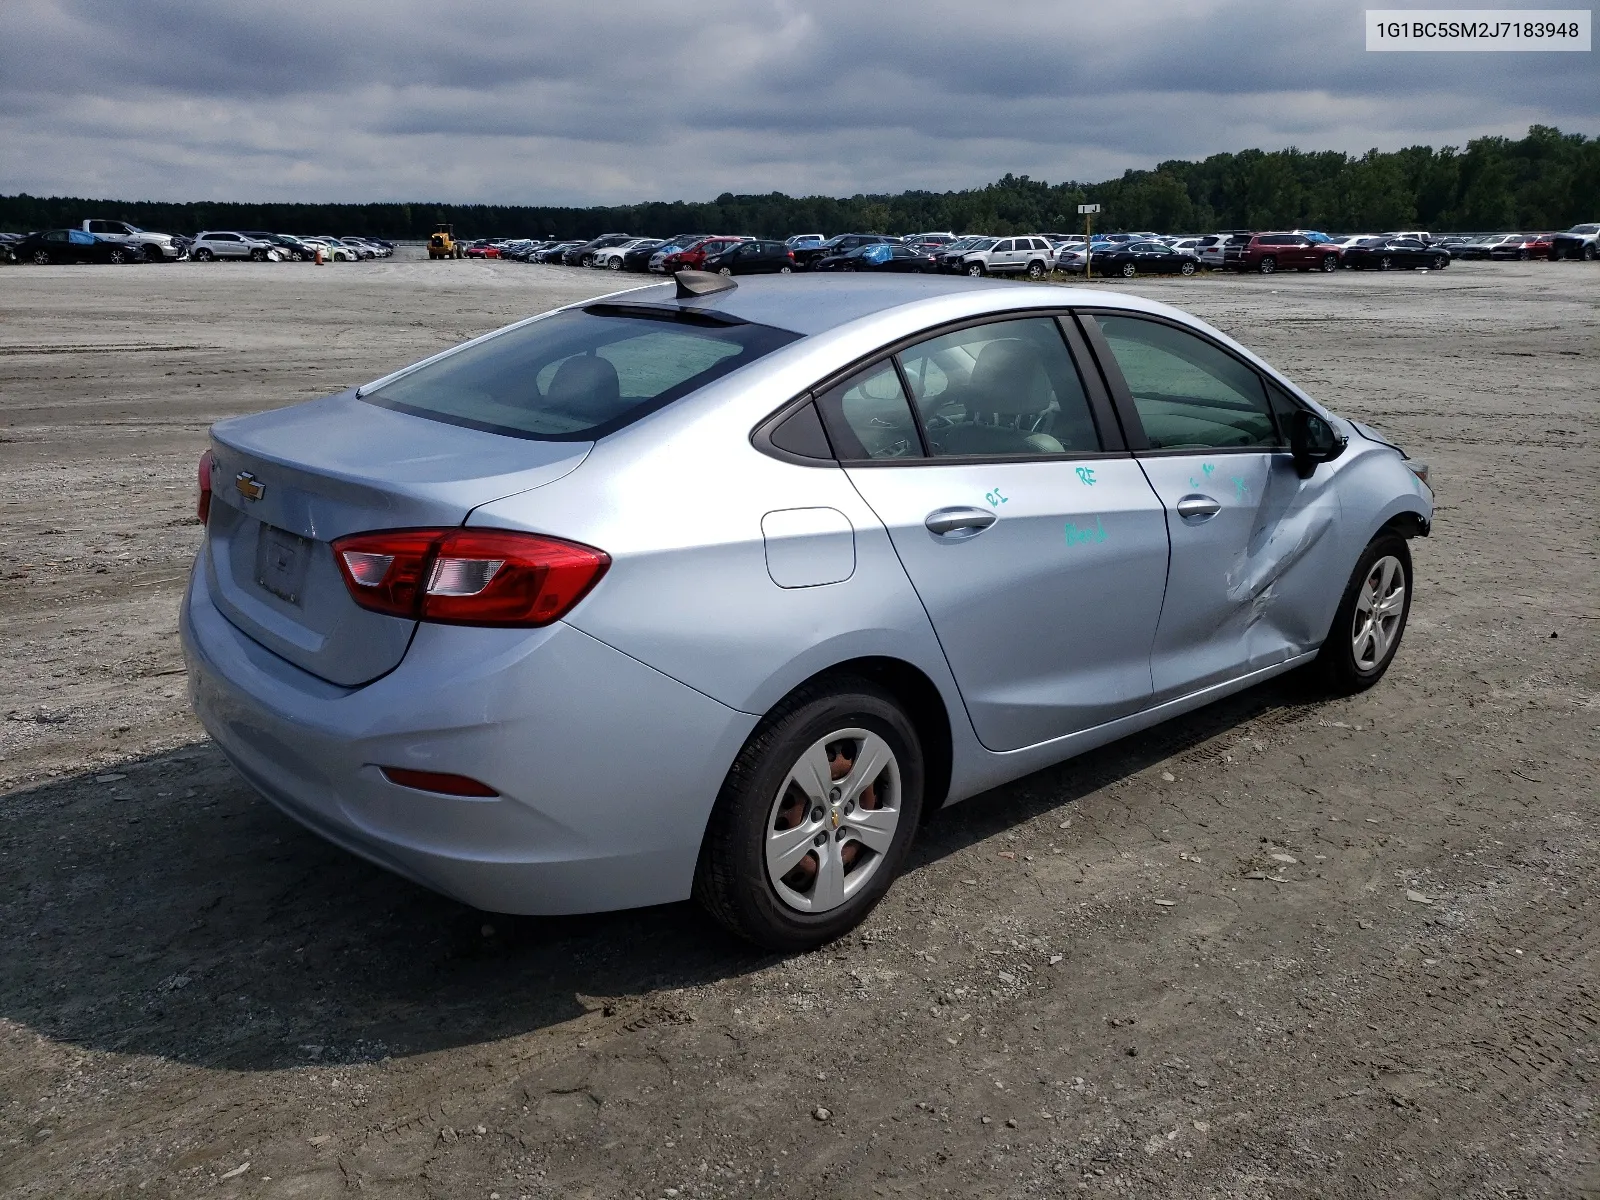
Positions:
{"x": 1546, "y": 180}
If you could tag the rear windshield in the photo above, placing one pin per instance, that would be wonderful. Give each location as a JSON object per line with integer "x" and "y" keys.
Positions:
{"x": 577, "y": 375}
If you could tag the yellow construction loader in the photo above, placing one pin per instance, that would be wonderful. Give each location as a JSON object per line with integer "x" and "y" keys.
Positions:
{"x": 442, "y": 243}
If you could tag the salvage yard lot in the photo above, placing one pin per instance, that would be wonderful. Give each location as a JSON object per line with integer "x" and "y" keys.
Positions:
{"x": 1284, "y": 947}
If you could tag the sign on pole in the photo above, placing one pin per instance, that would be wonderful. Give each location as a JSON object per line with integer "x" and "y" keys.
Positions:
{"x": 1087, "y": 211}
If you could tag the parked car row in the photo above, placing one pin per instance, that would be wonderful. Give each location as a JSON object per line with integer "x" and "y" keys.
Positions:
{"x": 98, "y": 241}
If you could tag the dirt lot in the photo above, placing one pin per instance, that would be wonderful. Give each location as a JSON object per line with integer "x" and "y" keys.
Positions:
{"x": 1377, "y": 975}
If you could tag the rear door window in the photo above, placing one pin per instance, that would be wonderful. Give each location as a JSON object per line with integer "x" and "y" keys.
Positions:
{"x": 1004, "y": 389}
{"x": 577, "y": 375}
{"x": 868, "y": 416}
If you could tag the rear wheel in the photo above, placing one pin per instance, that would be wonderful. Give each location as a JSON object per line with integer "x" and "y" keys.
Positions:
{"x": 258, "y": 255}
{"x": 815, "y": 818}
{"x": 1129, "y": 270}
{"x": 724, "y": 270}
{"x": 1036, "y": 270}
{"x": 1269, "y": 265}
{"x": 785, "y": 270}
{"x": 1371, "y": 619}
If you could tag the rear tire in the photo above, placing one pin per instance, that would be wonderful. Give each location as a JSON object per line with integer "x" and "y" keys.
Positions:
{"x": 763, "y": 796}
{"x": 258, "y": 255}
{"x": 1268, "y": 265}
{"x": 202, "y": 255}
{"x": 1129, "y": 270}
{"x": 1371, "y": 618}
{"x": 1036, "y": 270}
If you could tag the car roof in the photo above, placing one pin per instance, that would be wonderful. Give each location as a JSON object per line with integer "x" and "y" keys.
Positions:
{"x": 812, "y": 304}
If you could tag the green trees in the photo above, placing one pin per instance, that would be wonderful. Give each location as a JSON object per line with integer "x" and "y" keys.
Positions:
{"x": 1546, "y": 180}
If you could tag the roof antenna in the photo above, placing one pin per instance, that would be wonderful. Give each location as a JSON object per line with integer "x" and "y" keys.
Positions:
{"x": 702, "y": 283}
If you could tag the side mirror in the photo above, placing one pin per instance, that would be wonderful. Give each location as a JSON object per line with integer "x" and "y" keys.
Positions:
{"x": 1312, "y": 441}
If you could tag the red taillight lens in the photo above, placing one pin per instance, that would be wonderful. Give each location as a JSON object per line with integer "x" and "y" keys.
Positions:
{"x": 468, "y": 576}
{"x": 437, "y": 781}
{"x": 202, "y": 504}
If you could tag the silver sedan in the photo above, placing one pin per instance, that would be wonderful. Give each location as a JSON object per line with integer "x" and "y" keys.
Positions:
{"x": 718, "y": 589}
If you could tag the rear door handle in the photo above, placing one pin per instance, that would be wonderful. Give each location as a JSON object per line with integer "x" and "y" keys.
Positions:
{"x": 1198, "y": 508}
{"x": 954, "y": 524}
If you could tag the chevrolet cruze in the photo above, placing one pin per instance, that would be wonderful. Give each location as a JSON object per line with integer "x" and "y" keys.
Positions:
{"x": 718, "y": 588}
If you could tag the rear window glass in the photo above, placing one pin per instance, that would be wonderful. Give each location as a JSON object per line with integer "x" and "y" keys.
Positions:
{"x": 577, "y": 375}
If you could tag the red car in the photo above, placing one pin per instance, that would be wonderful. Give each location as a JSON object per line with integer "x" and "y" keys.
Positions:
{"x": 692, "y": 258}
{"x": 483, "y": 249}
{"x": 1528, "y": 245}
{"x": 1269, "y": 252}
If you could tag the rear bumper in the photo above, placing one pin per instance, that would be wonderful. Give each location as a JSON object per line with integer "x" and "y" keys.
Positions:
{"x": 607, "y": 769}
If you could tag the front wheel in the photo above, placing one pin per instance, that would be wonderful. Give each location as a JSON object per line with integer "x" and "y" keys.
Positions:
{"x": 815, "y": 818}
{"x": 1588, "y": 254}
{"x": 41, "y": 258}
{"x": 1523, "y": 255}
{"x": 1187, "y": 268}
{"x": 614, "y": 264}
{"x": 724, "y": 270}
{"x": 1441, "y": 261}
{"x": 203, "y": 255}
{"x": 975, "y": 269}
{"x": 1371, "y": 619}
{"x": 1329, "y": 263}
{"x": 1386, "y": 263}
{"x": 117, "y": 256}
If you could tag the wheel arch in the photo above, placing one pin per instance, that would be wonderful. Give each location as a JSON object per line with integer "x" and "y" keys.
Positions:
{"x": 923, "y": 703}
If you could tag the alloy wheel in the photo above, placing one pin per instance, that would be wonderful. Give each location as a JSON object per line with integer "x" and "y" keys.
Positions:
{"x": 1386, "y": 263}
{"x": 1187, "y": 269}
{"x": 41, "y": 258}
{"x": 1379, "y": 609}
{"x": 1268, "y": 265}
{"x": 1129, "y": 270}
{"x": 833, "y": 820}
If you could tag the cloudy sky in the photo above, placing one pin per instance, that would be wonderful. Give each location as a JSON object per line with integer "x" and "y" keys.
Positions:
{"x": 595, "y": 101}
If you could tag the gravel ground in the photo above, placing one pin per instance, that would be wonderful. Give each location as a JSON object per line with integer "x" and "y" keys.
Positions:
{"x": 1283, "y": 947}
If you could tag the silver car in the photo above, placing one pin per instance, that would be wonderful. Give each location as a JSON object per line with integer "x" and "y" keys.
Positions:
{"x": 717, "y": 589}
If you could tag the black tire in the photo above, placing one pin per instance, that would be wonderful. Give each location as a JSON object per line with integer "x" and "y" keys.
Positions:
{"x": 1268, "y": 265}
{"x": 41, "y": 257}
{"x": 202, "y": 255}
{"x": 724, "y": 270}
{"x": 1386, "y": 263}
{"x": 1036, "y": 270}
{"x": 1588, "y": 253}
{"x": 1335, "y": 666}
{"x": 152, "y": 253}
{"x": 975, "y": 269}
{"x": 1330, "y": 262}
{"x": 1187, "y": 268}
{"x": 1441, "y": 261}
{"x": 1129, "y": 270}
{"x": 1523, "y": 255}
{"x": 731, "y": 879}
{"x": 117, "y": 256}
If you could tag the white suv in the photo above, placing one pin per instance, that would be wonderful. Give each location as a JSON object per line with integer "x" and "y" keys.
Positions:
{"x": 1031, "y": 256}
{"x": 209, "y": 245}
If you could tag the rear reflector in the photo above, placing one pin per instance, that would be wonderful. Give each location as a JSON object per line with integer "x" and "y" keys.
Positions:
{"x": 468, "y": 576}
{"x": 437, "y": 781}
{"x": 202, "y": 505}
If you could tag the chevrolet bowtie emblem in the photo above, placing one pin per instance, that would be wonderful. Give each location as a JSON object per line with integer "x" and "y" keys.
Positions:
{"x": 248, "y": 486}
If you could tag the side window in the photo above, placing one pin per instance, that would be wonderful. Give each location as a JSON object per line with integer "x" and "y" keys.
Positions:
{"x": 1003, "y": 389}
{"x": 1004, "y": 247}
{"x": 868, "y": 417}
{"x": 1189, "y": 394}
{"x": 1284, "y": 406}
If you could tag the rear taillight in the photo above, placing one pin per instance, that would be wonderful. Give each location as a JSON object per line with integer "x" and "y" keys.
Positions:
{"x": 468, "y": 576}
{"x": 202, "y": 504}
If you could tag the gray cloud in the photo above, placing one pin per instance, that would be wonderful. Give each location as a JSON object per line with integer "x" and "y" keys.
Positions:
{"x": 602, "y": 101}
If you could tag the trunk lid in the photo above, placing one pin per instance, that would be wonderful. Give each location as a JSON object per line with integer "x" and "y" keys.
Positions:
{"x": 286, "y": 483}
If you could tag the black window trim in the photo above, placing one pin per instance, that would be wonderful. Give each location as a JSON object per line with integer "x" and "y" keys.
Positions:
{"x": 1101, "y": 407}
{"x": 1122, "y": 395}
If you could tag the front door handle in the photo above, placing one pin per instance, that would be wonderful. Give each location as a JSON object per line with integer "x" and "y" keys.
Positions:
{"x": 953, "y": 524}
{"x": 1198, "y": 508}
